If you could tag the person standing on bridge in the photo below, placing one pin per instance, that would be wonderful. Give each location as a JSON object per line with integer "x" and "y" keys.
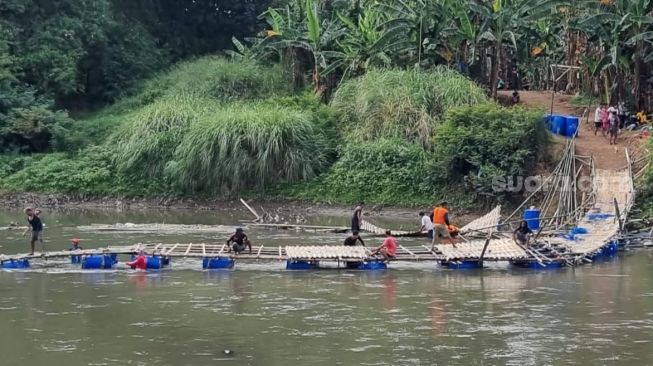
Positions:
{"x": 441, "y": 224}
{"x": 353, "y": 239}
{"x": 357, "y": 218}
{"x": 35, "y": 226}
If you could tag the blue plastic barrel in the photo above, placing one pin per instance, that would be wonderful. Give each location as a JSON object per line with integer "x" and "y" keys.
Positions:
{"x": 154, "y": 262}
{"x": 548, "y": 119}
{"x": 471, "y": 264}
{"x": 93, "y": 262}
{"x": 76, "y": 259}
{"x": 15, "y": 264}
{"x": 559, "y": 125}
{"x": 572, "y": 126}
{"x": 217, "y": 263}
{"x": 372, "y": 265}
{"x": 532, "y": 217}
{"x": 300, "y": 265}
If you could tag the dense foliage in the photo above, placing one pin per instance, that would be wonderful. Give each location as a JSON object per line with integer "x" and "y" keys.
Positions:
{"x": 322, "y": 99}
{"x": 80, "y": 54}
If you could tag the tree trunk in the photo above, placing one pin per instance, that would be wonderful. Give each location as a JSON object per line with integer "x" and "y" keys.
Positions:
{"x": 494, "y": 73}
{"x": 638, "y": 72}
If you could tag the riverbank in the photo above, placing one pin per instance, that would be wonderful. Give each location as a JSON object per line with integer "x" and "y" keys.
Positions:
{"x": 284, "y": 209}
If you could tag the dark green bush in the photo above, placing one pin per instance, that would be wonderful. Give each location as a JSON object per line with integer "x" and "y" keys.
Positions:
{"x": 479, "y": 143}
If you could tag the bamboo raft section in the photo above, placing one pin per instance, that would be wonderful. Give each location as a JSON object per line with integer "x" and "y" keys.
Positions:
{"x": 482, "y": 225}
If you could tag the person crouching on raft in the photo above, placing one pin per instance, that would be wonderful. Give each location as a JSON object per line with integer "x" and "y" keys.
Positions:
{"x": 389, "y": 247}
{"x": 426, "y": 225}
{"x": 239, "y": 240}
{"x": 140, "y": 262}
{"x": 353, "y": 239}
{"x": 522, "y": 234}
{"x": 441, "y": 224}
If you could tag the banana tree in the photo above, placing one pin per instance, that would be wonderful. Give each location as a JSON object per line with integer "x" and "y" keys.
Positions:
{"x": 364, "y": 44}
{"x": 502, "y": 21}
{"x": 311, "y": 34}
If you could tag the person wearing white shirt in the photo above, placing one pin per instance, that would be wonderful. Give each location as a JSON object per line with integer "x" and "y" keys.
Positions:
{"x": 427, "y": 224}
{"x": 598, "y": 120}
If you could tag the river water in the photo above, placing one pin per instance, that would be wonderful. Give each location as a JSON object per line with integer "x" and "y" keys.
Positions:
{"x": 411, "y": 314}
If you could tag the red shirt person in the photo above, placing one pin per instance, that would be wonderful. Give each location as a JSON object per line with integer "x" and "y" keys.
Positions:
{"x": 140, "y": 262}
{"x": 389, "y": 247}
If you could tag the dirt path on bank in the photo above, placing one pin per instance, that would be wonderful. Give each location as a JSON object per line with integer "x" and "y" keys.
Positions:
{"x": 605, "y": 156}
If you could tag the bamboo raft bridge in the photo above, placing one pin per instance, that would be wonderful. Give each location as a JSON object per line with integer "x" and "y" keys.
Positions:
{"x": 596, "y": 218}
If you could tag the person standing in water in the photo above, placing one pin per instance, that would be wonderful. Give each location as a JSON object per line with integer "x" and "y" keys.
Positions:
{"x": 140, "y": 262}
{"x": 357, "y": 218}
{"x": 35, "y": 226}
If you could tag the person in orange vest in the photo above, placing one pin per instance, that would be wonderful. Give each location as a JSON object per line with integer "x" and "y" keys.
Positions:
{"x": 441, "y": 224}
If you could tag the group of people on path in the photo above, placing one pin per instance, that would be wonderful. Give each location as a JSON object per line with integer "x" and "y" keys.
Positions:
{"x": 610, "y": 120}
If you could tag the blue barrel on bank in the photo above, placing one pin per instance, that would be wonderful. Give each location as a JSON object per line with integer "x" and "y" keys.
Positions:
{"x": 15, "y": 264}
{"x": 559, "y": 125}
{"x": 532, "y": 217}
{"x": 217, "y": 263}
{"x": 572, "y": 126}
{"x": 548, "y": 119}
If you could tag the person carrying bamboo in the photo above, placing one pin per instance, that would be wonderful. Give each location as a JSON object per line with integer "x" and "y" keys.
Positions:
{"x": 357, "y": 218}
{"x": 441, "y": 224}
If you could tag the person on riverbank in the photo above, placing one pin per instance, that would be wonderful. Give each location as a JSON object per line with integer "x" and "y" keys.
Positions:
{"x": 598, "y": 118}
{"x": 613, "y": 126}
{"x": 35, "y": 226}
{"x": 388, "y": 249}
{"x": 427, "y": 224}
{"x": 605, "y": 119}
{"x": 441, "y": 224}
{"x": 353, "y": 239}
{"x": 357, "y": 218}
{"x": 238, "y": 241}
{"x": 140, "y": 262}
{"x": 622, "y": 114}
{"x": 522, "y": 234}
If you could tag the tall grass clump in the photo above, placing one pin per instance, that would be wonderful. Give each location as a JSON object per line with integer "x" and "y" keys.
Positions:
{"x": 146, "y": 144}
{"x": 248, "y": 145}
{"x": 404, "y": 104}
{"x": 215, "y": 77}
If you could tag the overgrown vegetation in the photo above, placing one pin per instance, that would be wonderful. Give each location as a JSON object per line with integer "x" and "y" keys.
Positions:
{"x": 335, "y": 101}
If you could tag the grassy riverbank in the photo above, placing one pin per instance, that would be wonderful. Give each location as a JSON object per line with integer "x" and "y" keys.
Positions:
{"x": 216, "y": 128}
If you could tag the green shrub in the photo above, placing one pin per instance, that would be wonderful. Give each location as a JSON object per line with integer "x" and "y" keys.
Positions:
{"x": 34, "y": 129}
{"x": 248, "y": 145}
{"x": 402, "y": 104}
{"x": 385, "y": 171}
{"x": 89, "y": 172}
{"x": 479, "y": 143}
